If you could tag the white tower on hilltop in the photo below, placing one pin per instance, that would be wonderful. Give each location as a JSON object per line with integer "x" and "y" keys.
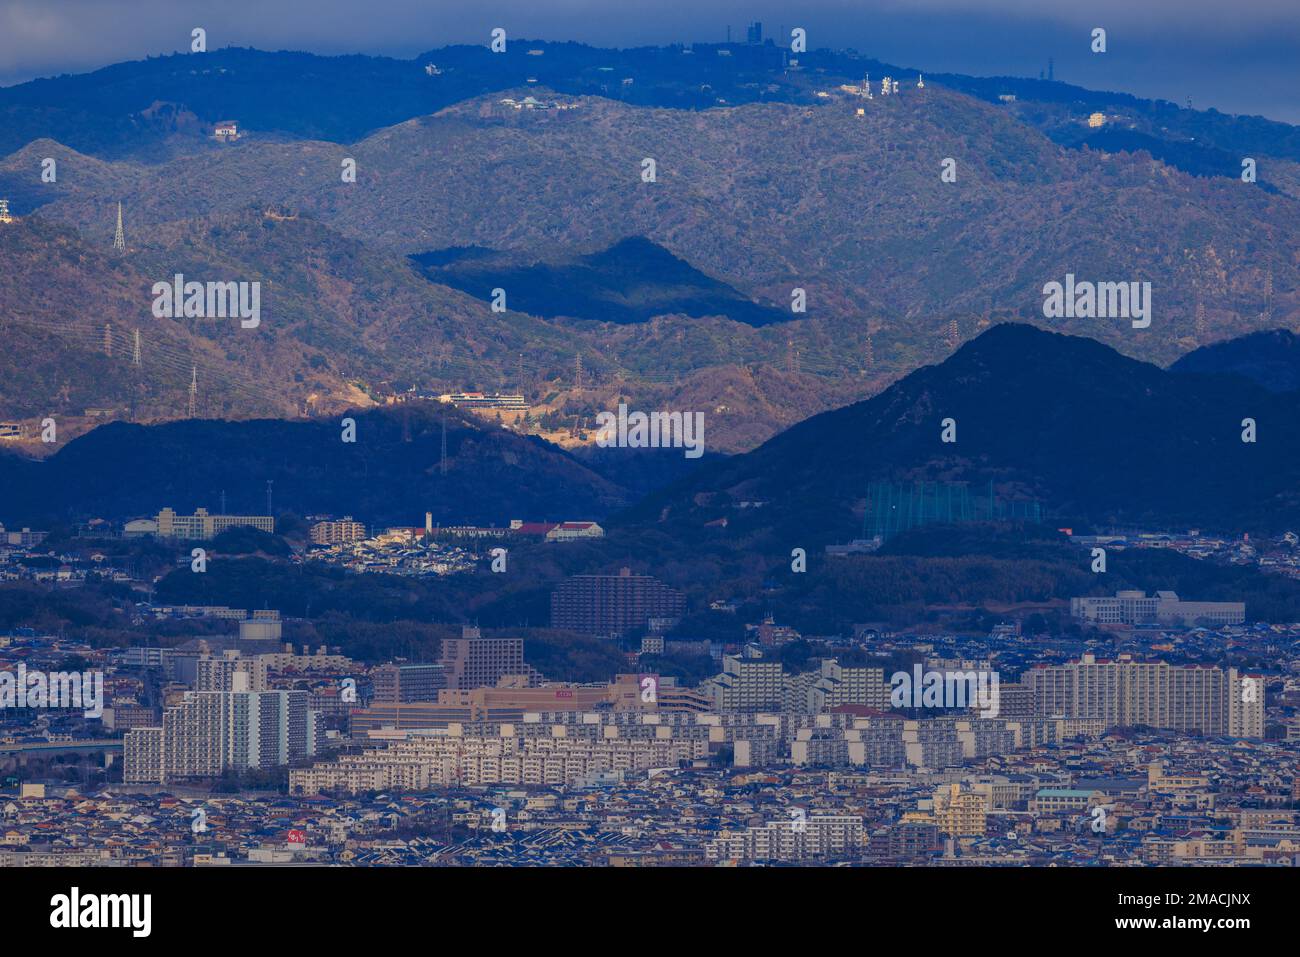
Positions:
{"x": 119, "y": 238}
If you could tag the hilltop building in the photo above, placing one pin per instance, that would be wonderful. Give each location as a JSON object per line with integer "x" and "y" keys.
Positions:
{"x": 480, "y": 400}
{"x": 1164, "y": 607}
{"x": 557, "y": 531}
{"x": 202, "y": 527}
{"x": 610, "y": 605}
{"x": 332, "y": 533}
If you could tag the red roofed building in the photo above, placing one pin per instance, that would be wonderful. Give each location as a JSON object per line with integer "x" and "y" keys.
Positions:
{"x": 557, "y": 531}
{"x": 567, "y": 531}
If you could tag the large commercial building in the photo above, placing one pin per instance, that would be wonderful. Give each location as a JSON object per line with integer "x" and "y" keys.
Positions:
{"x": 1162, "y": 608}
{"x": 210, "y": 732}
{"x": 510, "y": 702}
{"x": 610, "y": 605}
{"x": 201, "y": 526}
{"x": 1125, "y": 692}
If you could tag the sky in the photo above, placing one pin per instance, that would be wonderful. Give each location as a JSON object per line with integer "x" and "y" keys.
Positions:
{"x": 1240, "y": 56}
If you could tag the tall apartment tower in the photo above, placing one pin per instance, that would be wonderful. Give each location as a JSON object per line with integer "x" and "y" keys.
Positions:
{"x": 230, "y": 671}
{"x": 1124, "y": 692}
{"x": 472, "y": 661}
{"x": 609, "y": 605}
{"x": 746, "y": 684}
{"x": 399, "y": 684}
{"x": 213, "y": 731}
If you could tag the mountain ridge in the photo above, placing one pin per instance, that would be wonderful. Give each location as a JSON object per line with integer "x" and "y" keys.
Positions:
{"x": 1094, "y": 435}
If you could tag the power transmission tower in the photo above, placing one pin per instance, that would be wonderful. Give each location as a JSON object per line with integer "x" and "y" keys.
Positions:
{"x": 443, "y": 466}
{"x": 577, "y": 371}
{"x": 119, "y": 238}
{"x": 870, "y": 351}
{"x": 194, "y": 387}
{"x": 137, "y": 394}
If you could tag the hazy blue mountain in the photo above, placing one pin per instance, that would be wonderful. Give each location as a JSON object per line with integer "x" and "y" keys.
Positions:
{"x": 1270, "y": 359}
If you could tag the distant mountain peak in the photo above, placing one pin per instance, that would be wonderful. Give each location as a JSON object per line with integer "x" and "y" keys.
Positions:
{"x": 1270, "y": 358}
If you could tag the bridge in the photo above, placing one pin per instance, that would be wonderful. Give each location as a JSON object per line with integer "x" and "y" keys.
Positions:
{"x": 39, "y": 757}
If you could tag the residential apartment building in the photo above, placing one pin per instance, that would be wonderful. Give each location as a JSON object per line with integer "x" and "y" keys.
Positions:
{"x": 408, "y": 682}
{"x": 960, "y": 811}
{"x": 443, "y": 760}
{"x": 333, "y": 532}
{"x": 797, "y": 839}
{"x": 209, "y": 732}
{"x": 746, "y": 684}
{"x": 230, "y": 671}
{"x": 472, "y": 661}
{"x": 610, "y": 605}
{"x": 833, "y": 685}
{"x": 1125, "y": 692}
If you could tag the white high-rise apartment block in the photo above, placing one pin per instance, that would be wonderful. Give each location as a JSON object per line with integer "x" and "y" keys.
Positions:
{"x": 796, "y": 839}
{"x": 212, "y": 731}
{"x": 746, "y": 684}
{"x": 832, "y": 685}
{"x": 230, "y": 671}
{"x": 1125, "y": 692}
